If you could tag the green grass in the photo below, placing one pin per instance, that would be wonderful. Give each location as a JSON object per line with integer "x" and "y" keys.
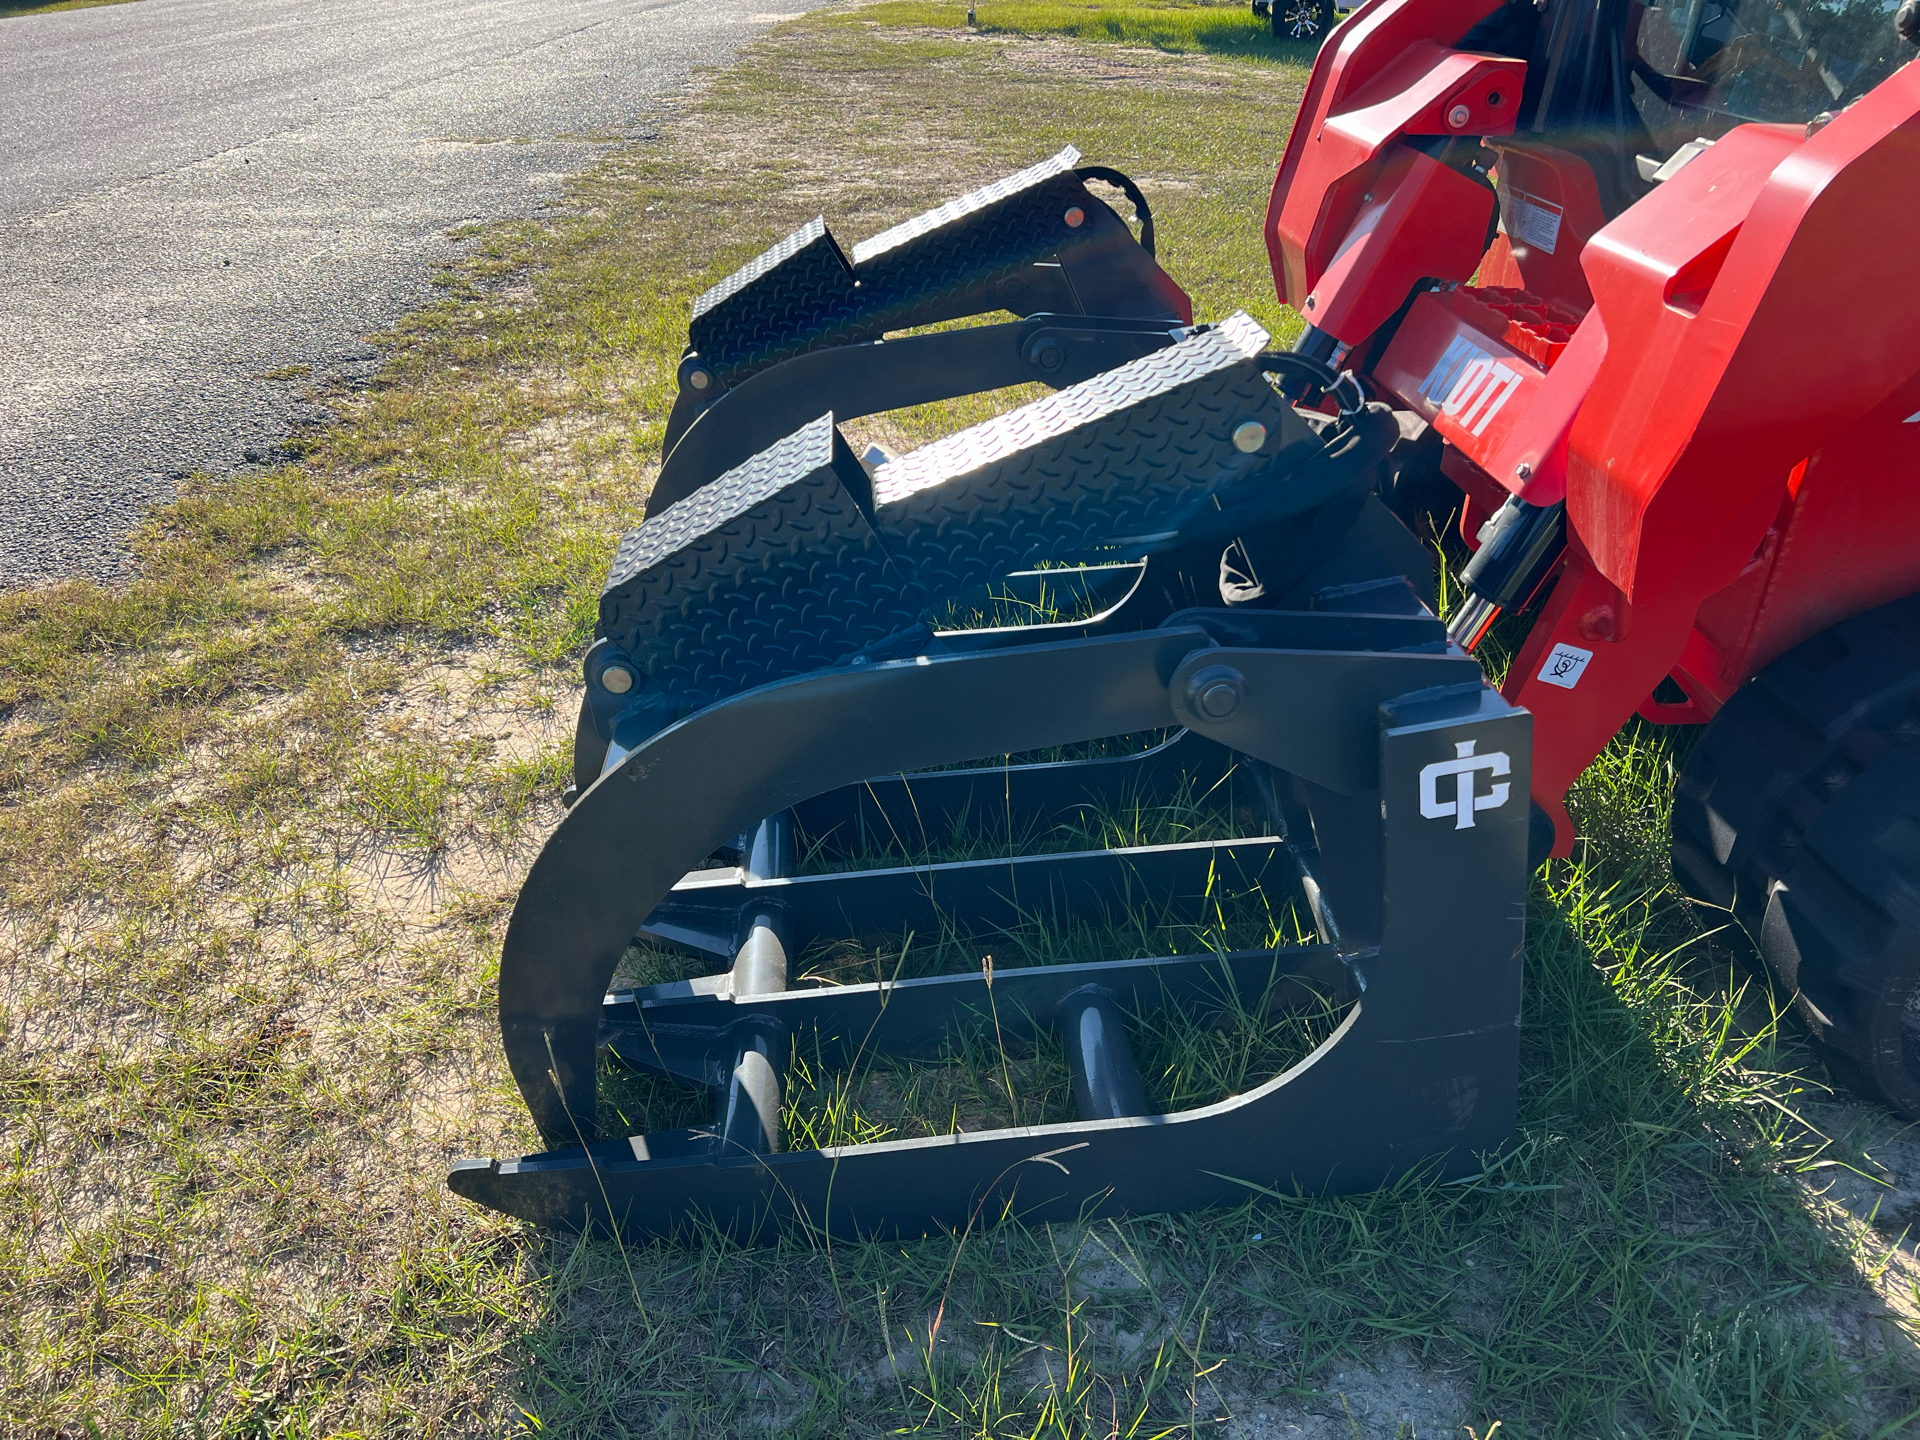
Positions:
{"x": 1216, "y": 27}
{"x": 11, "y": 11}
{"x": 264, "y": 808}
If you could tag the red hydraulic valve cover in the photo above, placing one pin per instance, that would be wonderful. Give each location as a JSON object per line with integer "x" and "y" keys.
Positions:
{"x": 1468, "y": 360}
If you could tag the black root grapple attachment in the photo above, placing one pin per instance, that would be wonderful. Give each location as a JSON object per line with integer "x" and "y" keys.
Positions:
{"x": 777, "y": 658}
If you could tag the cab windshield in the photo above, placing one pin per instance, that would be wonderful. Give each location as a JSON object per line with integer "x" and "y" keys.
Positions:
{"x": 1770, "y": 60}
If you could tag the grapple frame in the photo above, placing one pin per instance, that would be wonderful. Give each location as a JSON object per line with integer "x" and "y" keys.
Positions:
{"x": 1418, "y": 895}
{"x": 765, "y": 661}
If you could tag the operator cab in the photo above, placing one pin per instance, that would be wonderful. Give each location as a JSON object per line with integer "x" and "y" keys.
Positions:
{"x": 1638, "y": 89}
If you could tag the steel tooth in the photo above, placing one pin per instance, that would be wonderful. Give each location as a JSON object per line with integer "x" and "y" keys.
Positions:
{"x": 804, "y": 293}
{"x": 874, "y": 251}
{"x": 983, "y": 237}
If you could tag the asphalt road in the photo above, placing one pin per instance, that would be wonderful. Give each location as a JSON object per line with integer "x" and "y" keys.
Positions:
{"x": 194, "y": 193}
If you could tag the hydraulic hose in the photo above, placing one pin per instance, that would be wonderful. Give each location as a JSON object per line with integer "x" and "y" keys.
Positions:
{"x": 1306, "y": 375}
{"x": 1344, "y": 462}
{"x": 1124, "y": 184}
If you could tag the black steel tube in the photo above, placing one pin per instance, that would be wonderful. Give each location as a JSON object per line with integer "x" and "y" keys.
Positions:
{"x": 749, "y": 1116}
{"x": 1519, "y": 546}
{"x": 749, "y": 1099}
{"x": 760, "y": 967}
{"x": 770, "y": 853}
{"x": 1106, "y": 1086}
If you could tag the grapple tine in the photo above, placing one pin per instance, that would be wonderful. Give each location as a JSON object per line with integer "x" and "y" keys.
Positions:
{"x": 1422, "y": 1068}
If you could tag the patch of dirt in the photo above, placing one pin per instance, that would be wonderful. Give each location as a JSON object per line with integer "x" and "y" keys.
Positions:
{"x": 407, "y": 888}
{"x": 1130, "y": 64}
{"x": 1394, "y": 1395}
{"x": 1871, "y": 1196}
{"x": 28, "y": 718}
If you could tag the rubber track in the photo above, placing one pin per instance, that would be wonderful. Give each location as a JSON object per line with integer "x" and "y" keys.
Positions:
{"x": 1799, "y": 810}
{"x": 789, "y": 562}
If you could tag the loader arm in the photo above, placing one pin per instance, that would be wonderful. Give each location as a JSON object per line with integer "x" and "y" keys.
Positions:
{"x": 1375, "y": 191}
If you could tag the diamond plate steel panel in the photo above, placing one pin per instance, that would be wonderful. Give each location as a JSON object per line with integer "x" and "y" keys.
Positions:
{"x": 794, "y": 560}
{"x": 871, "y": 249}
{"x": 771, "y": 570}
{"x": 800, "y": 292}
{"x": 1122, "y": 458}
{"x": 982, "y": 237}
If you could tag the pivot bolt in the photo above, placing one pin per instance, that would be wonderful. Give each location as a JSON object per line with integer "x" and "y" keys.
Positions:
{"x": 1458, "y": 116}
{"x": 1215, "y": 692}
{"x": 616, "y": 679}
{"x": 699, "y": 379}
{"x": 1075, "y": 217}
{"x": 1249, "y": 436}
{"x": 1523, "y": 471}
{"x": 1047, "y": 354}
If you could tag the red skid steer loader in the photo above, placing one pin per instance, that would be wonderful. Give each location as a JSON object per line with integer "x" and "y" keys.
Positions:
{"x": 1627, "y": 287}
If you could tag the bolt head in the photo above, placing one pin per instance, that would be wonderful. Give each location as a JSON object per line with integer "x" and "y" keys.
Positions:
{"x": 1075, "y": 217}
{"x": 1458, "y": 117}
{"x": 699, "y": 379}
{"x": 1249, "y": 436}
{"x": 1215, "y": 692}
{"x": 1047, "y": 354}
{"x": 1219, "y": 700}
{"x": 616, "y": 679}
{"x": 1523, "y": 471}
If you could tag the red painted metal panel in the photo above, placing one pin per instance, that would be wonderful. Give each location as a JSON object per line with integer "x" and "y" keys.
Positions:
{"x": 1549, "y": 209}
{"x": 1474, "y": 362}
{"x": 1758, "y": 301}
{"x": 1849, "y": 539}
{"x": 1418, "y": 220}
{"x": 1305, "y": 219}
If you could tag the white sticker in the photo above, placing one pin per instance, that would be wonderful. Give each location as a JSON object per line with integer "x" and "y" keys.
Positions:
{"x": 1480, "y": 392}
{"x": 1460, "y": 353}
{"x": 1565, "y": 666}
{"x": 1464, "y": 770}
{"x": 1531, "y": 220}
